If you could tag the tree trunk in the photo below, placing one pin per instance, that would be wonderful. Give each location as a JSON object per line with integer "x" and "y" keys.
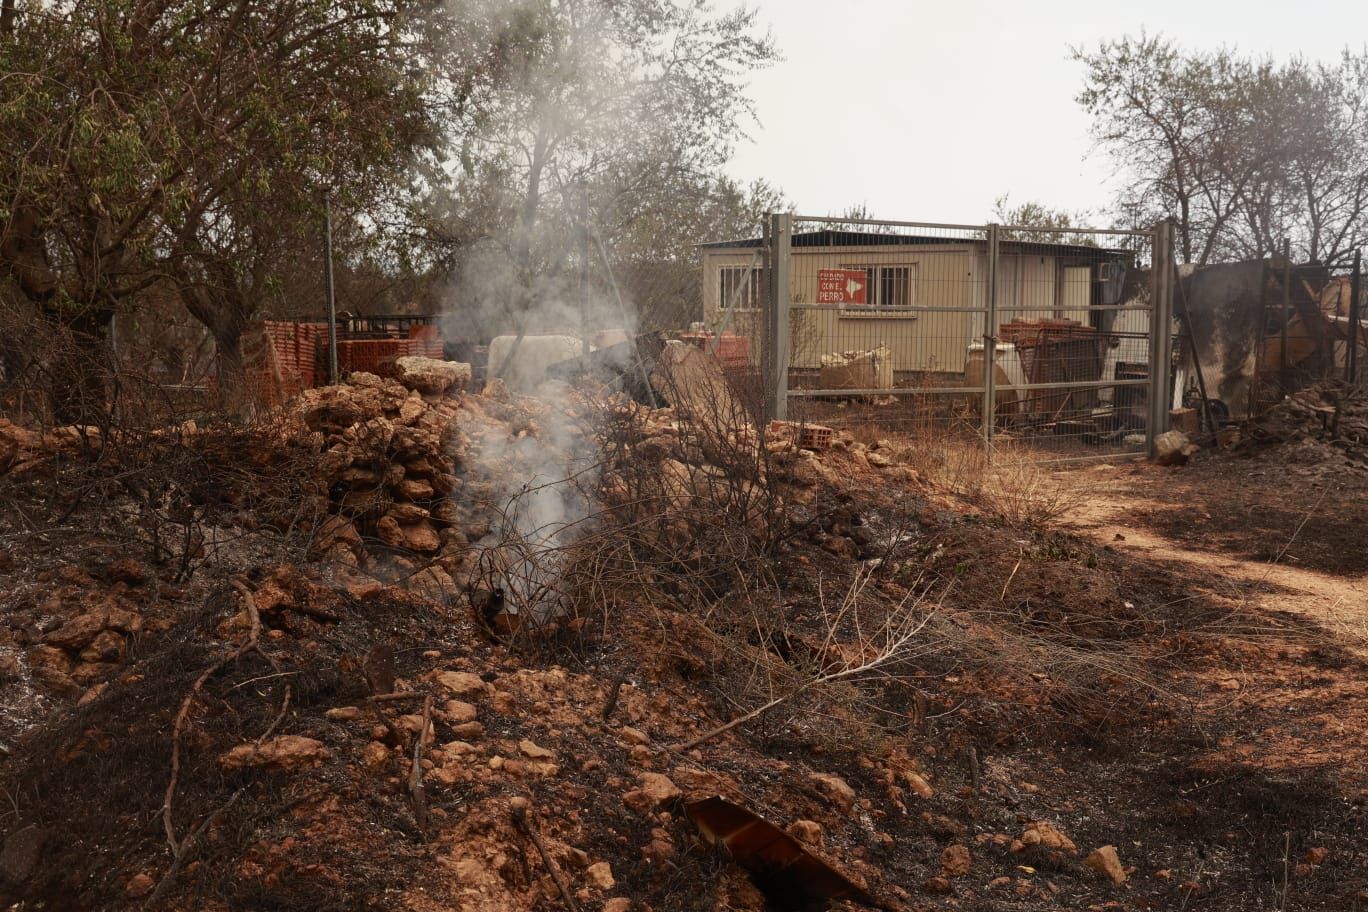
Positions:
{"x": 226, "y": 319}
{"x": 232, "y": 380}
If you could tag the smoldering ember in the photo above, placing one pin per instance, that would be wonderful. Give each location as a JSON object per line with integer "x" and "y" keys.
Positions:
{"x": 441, "y": 468}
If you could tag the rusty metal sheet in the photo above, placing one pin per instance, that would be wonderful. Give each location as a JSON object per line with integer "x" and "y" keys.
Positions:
{"x": 788, "y": 874}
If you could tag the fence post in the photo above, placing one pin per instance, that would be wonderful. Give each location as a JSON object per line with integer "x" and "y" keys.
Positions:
{"x": 1161, "y": 332}
{"x": 777, "y": 352}
{"x": 990, "y": 339}
{"x": 1355, "y": 316}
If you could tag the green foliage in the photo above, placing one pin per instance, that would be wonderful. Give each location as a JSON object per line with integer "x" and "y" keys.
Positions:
{"x": 1241, "y": 151}
{"x": 189, "y": 141}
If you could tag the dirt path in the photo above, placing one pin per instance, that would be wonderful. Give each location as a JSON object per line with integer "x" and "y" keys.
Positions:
{"x": 1288, "y": 688}
{"x": 1116, "y": 502}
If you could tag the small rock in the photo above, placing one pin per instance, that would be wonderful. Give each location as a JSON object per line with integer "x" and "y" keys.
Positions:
{"x": 462, "y": 683}
{"x": 618, "y": 904}
{"x": 600, "y": 875}
{"x": 139, "y": 885}
{"x": 535, "y": 751}
{"x": 918, "y": 784}
{"x": 343, "y": 713}
{"x": 807, "y": 831}
{"x": 937, "y": 885}
{"x": 468, "y": 731}
{"x": 130, "y": 572}
{"x": 1173, "y": 448}
{"x": 659, "y": 788}
{"x": 414, "y": 489}
{"x": 375, "y": 756}
{"x": 78, "y": 632}
{"x": 956, "y": 861}
{"x": 634, "y": 736}
{"x": 459, "y": 711}
{"x": 837, "y": 789}
{"x": 430, "y": 375}
{"x": 286, "y": 752}
{"x": 1104, "y": 861}
{"x": 1047, "y": 836}
{"x": 92, "y": 694}
{"x": 1316, "y": 855}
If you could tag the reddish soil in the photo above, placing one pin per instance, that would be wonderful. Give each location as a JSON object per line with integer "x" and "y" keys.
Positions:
{"x": 1167, "y": 670}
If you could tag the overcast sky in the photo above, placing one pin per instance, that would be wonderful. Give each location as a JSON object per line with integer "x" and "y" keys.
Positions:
{"x": 929, "y": 111}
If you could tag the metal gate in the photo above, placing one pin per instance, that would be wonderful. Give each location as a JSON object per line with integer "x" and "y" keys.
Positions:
{"x": 1044, "y": 344}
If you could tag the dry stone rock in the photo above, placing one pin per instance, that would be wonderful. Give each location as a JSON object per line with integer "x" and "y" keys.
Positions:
{"x": 422, "y": 537}
{"x": 1173, "y": 448}
{"x": 78, "y": 632}
{"x": 1047, "y": 836}
{"x": 21, "y": 852}
{"x": 1105, "y": 861}
{"x": 375, "y": 756}
{"x": 285, "y": 752}
{"x": 414, "y": 489}
{"x": 837, "y": 789}
{"x": 806, "y": 831}
{"x": 139, "y": 885}
{"x": 659, "y": 788}
{"x": 108, "y": 646}
{"x": 459, "y": 711}
{"x": 462, "y": 683}
{"x": 535, "y": 751}
{"x": 431, "y": 376}
{"x": 918, "y": 785}
{"x": 600, "y": 875}
{"x": 956, "y": 861}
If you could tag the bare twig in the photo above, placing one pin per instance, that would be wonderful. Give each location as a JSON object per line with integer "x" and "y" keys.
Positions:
{"x": 183, "y": 850}
{"x": 890, "y": 641}
{"x": 183, "y": 714}
{"x": 522, "y": 818}
{"x": 416, "y": 789}
{"x": 613, "y": 692}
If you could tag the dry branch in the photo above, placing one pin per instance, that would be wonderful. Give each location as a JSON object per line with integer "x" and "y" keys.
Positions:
{"x": 182, "y": 850}
{"x": 416, "y": 789}
{"x": 890, "y": 641}
{"x": 522, "y": 818}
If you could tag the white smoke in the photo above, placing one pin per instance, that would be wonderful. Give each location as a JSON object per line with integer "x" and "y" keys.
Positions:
{"x": 542, "y": 476}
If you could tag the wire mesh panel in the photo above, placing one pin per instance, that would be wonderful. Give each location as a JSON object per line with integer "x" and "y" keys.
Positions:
{"x": 884, "y": 318}
{"x": 1038, "y": 343}
{"x": 1074, "y": 346}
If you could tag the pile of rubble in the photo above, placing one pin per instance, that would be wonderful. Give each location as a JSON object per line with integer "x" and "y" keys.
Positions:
{"x": 1323, "y": 425}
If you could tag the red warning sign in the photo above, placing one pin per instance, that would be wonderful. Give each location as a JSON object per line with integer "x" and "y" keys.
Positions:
{"x": 842, "y": 286}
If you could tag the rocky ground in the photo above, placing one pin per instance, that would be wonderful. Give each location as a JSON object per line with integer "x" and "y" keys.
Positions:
{"x": 265, "y": 667}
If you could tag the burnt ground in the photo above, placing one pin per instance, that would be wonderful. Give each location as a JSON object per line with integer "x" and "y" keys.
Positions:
{"x": 1180, "y": 697}
{"x": 1260, "y": 509}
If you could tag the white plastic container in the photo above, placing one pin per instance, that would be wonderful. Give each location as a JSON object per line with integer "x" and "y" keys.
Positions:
{"x": 530, "y": 359}
{"x": 1008, "y": 371}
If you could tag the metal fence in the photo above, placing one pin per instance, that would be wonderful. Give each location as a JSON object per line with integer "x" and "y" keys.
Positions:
{"x": 1042, "y": 344}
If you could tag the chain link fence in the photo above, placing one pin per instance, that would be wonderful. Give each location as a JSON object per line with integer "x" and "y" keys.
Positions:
{"x": 1043, "y": 345}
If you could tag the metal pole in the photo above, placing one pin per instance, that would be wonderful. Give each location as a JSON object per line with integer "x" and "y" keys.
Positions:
{"x": 990, "y": 333}
{"x": 1166, "y": 337}
{"x": 584, "y": 282}
{"x": 332, "y": 299}
{"x": 1355, "y": 330}
{"x": 1161, "y": 332}
{"x": 781, "y": 296}
{"x": 1286, "y": 301}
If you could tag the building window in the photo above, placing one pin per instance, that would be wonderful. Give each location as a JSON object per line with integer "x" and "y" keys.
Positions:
{"x": 739, "y": 287}
{"x": 890, "y": 287}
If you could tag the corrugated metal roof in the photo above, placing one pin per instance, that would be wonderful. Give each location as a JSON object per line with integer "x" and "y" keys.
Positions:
{"x": 831, "y": 238}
